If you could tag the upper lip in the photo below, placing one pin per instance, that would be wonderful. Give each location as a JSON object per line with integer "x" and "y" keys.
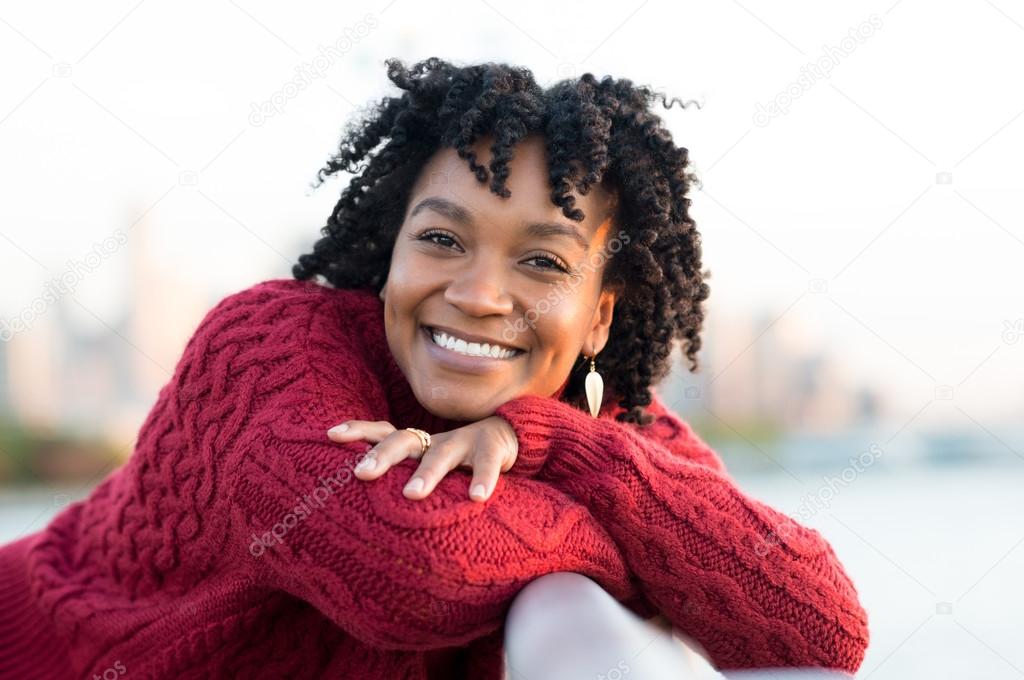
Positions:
{"x": 471, "y": 337}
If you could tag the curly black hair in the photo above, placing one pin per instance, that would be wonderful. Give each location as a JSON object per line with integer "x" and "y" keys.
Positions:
{"x": 595, "y": 132}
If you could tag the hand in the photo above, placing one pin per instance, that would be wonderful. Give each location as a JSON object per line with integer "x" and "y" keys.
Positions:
{"x": 661, "y": 622}
{"x": 488, "y": 447}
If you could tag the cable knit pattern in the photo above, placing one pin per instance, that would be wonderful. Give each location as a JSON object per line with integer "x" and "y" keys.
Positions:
{"x": 235, "y": 542}
{"x": 752, "y": 586}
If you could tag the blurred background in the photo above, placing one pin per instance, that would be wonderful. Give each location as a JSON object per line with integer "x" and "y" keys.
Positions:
{"x": 860, "y": 210}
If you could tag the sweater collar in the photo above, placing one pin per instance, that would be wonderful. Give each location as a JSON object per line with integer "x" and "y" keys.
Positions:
{"x": 406, "y": 409}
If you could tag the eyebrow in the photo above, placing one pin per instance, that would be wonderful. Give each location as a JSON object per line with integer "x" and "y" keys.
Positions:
{"x": 458, "y": 213}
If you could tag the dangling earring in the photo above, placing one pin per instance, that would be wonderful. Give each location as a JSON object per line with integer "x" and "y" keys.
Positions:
{"x": 594, "y": 385}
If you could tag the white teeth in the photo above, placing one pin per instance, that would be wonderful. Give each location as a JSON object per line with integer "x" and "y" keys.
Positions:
{"x": 473, "y": 349}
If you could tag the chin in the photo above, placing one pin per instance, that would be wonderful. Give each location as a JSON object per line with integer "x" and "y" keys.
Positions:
{"x": 454, "y": 409}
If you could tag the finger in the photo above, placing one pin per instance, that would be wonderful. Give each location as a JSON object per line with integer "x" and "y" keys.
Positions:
{"x": 394, "y": 448}
{"x": 486, "y": 469}
{"x": 354, "y": 430}
{"x": 440, "y": 459}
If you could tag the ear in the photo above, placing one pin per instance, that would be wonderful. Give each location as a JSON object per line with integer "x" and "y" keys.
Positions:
{"x": 601, "y": 324}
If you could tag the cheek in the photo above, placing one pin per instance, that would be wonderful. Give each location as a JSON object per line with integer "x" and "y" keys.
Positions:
{"x": 408, "y": 283}
{"x": 561, "y": 327}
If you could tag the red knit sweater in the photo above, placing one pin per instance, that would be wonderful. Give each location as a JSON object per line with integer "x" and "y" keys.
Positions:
{"x": 236, "y": 543}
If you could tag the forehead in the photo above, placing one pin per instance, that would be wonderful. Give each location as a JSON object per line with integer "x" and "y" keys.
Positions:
{"x": 448, "y": 175}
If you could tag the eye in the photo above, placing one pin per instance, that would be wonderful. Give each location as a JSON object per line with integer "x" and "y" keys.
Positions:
{"x": 439, "y": 237}
{"x": 433, "y": 234}
{"x": 556, "y": 264}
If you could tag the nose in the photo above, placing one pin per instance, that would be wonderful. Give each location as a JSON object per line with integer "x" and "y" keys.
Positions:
{"x": 479, "y": 291}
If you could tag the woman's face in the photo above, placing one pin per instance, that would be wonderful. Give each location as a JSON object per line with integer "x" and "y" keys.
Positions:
{"x": 488, "y": 269}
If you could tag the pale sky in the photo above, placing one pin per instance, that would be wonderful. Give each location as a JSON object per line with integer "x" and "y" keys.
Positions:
{"x": 121, "y": 108}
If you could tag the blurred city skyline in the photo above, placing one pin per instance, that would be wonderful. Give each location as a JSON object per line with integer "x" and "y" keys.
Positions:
{"x": 68, "y": 368}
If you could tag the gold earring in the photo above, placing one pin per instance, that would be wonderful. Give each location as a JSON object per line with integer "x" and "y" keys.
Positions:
{"x": 594, "y": 385}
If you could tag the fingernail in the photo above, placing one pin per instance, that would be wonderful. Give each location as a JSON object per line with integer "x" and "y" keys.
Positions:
{"x": 415, "y": 484}
{"x": 478, "y": 490}
{"x": 338, "y": 428}
{"x": 366, "y": 464}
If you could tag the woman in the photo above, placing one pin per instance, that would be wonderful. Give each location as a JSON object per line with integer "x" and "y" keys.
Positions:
{"x": 498, "y": 248}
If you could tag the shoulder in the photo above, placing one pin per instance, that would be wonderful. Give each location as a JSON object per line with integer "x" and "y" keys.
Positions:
{"x": 291, "y": 298}
{"x": 274, "y": 323}
{"x": 282, "y": 309}
{"x": 674, "y": 433}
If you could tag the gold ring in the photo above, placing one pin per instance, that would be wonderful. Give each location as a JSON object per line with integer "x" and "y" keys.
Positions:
{"x": 424, "y": 438}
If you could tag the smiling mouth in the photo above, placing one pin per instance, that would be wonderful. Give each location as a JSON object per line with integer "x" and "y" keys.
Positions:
{"x": 458, "y": 345}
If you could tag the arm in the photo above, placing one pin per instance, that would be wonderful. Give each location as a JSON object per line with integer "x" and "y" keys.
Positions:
{"x": 394, "y": 573}
{"x": 697, "y": 544}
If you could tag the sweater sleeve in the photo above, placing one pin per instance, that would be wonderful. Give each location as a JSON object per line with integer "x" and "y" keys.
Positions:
{"x": 394, "y": 573}
{"x": 749, "y": 584}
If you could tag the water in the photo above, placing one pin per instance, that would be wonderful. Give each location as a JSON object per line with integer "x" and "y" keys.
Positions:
{"x": 935, "y": 554}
